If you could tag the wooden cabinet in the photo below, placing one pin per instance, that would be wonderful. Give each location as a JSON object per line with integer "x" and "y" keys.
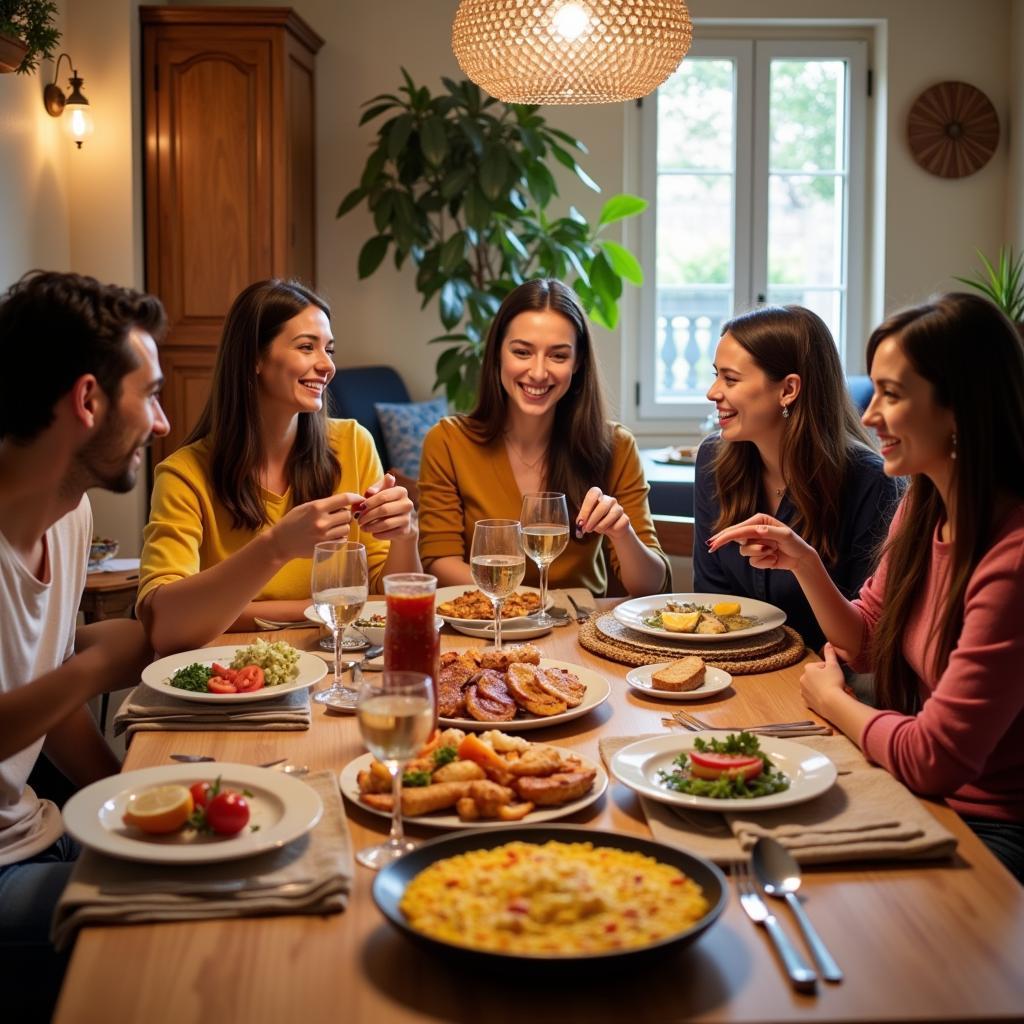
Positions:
{"x": 229, "y": 175}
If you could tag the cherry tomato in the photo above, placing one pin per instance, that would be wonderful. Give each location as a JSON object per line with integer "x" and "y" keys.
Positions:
{"x": 224, "y": 673}
{"x": 249, "y": 678}
{"x": 227, "y": 813}
{"x": 218, "y": 684}
{"x": 200, "y": 793}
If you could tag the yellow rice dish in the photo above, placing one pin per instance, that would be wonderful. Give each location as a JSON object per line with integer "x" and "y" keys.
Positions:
{"x": 559, "y": 898}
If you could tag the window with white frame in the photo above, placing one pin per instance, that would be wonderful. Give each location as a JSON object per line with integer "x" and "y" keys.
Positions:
{"x": 755, "y": 153}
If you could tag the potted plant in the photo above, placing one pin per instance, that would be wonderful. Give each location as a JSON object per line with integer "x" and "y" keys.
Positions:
{"x": 1002, "y": 282}
{"x": 27, "y": 33}
{"x": 460, "y": 183}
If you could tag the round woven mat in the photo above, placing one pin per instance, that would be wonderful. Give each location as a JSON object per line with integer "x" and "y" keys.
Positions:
{"x": 776, "y": 649}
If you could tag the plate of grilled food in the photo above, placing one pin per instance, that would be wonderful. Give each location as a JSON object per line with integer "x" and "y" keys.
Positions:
{"x": 514, "y": 689}
{"x": 699, "y": 618}
{"x": 473, "y": 607}
{"x": 465, "y": 780}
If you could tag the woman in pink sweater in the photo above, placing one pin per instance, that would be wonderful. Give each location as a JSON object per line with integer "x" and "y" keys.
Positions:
{"x": 940, "y": 621}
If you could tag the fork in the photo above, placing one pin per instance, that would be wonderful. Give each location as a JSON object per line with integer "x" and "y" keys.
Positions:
{"x": 581, "y": 615}
{"x": 198, "y": 758}
{"x": 801, "y": 974}
{"x": 698, "y": 725}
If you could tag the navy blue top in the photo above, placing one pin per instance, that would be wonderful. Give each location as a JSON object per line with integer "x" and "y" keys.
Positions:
{"x": 869, "y": 499}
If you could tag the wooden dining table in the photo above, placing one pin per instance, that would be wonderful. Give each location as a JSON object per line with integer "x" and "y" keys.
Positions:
{"x": 918, "y": 941}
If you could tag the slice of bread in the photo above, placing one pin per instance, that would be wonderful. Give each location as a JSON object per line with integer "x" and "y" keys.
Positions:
{"x": 679, "y": 676}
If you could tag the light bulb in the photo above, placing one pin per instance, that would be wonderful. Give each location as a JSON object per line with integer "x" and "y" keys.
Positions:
{"x": 570, "y": 21}
{"x": 78, "y": 122}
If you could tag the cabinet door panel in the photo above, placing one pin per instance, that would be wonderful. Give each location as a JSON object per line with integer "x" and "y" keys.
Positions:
{"x": 188, "y": 373}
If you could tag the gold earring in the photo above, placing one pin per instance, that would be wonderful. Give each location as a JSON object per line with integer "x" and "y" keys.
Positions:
{"x": 952, "y": 454}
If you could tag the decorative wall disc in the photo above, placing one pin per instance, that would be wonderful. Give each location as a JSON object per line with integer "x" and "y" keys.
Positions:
{"x": 953, "y": 129}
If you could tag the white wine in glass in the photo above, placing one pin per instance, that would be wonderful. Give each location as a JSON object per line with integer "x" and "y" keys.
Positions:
{"x": 396, "y": 717}
{"x": 497, "y": 563}
{"x": 339, "y": 584}
{"x": 545, "y": 519}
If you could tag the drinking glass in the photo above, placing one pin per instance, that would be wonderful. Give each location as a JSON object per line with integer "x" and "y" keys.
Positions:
{"x": 396, "y": 717}
{"x": 545, "y": 520}
{"x": 339, "y": 584}
{"x": 497, "y": 563}
{"x": 411, "y": 639}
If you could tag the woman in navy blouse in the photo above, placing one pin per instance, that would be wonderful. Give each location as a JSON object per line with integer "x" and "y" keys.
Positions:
{"x": 790, "y": 444}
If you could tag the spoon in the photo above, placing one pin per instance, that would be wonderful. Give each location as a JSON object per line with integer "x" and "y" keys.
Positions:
{"x": 199, "y": 758}
{"x": 779, "y": 874}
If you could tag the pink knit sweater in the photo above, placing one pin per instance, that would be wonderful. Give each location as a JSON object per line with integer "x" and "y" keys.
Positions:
{"x": 967, "y": 741}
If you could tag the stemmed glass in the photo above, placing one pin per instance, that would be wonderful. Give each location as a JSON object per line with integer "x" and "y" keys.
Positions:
{"x": 339, "y": 584}
{"x": 396, "y": 717}
{"x": 545, "y": 520}
{"x": 497, "y": 563}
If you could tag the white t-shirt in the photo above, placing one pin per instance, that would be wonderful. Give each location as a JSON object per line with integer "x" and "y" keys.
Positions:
{"x": 37, "y": 635}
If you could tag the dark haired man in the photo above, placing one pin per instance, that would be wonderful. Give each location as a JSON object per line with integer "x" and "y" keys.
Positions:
{"x": 79, "y": 402}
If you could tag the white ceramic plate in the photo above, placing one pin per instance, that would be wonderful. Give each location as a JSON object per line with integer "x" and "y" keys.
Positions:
{"x": 810, "y": 773}
{"x": 282, "y": 806}
{"x": 598, "y": 690}
{"x": 715, "y": 680}
{"x": 450, "y": 593}
{"x": 631, "y": 614}
{"x": 157, "y": 676}
{"x": 375, "y": 634}
{"x": 511, "y": 629}
{"x": 450, "y": 820}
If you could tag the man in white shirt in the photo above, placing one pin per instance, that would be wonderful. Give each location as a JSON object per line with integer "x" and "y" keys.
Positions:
{"x": 79, "y": 403}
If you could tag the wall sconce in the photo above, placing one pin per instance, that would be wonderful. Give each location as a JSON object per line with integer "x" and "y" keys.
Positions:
{"x": 75, "y": 106}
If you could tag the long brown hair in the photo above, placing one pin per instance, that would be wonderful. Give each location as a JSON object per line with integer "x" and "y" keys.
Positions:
{"x": 822, "y": 431}
{"x": 580, "y": 450}
{"x": 972, "y": 357}
{"x": 232, "y": 412}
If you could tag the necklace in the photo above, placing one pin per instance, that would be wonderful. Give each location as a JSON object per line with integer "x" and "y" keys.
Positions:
{"x": 519, "y": 455}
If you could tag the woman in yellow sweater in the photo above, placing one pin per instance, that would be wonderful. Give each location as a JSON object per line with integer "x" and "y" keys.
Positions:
{"x": 540, "y": 425}
{"x": 264, "y": 476}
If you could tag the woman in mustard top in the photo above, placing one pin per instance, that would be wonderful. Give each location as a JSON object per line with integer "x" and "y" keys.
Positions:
{"x": 540, "y": 425}
{"x": 264, "y": 476}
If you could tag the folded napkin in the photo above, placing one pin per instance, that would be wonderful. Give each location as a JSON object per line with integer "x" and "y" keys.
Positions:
{"x": 866, "y": 815}
{"x": 310, "y": 875}
{"x": 147, "y": 710}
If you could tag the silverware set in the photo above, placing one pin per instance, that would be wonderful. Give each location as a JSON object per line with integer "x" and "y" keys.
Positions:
{"x": 777, "y": 874}
{"x": 777, "y": 729}
{"x": 279, "y": 763}
{"x": 581, "y": 614}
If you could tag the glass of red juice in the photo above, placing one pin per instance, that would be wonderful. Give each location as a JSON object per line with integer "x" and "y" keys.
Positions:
{"x": 411, "y": 640}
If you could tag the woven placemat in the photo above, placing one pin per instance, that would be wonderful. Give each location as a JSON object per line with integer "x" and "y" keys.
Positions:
{"x": 777, "y": 653}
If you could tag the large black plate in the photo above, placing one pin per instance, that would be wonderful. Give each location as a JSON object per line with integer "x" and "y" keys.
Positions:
{"x": 390, "y": 883}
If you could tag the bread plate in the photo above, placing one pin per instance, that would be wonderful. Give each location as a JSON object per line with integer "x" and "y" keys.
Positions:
{"x": 715, "y": 680}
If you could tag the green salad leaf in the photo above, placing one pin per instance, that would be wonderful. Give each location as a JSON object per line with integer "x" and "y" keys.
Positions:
{"x": 727, "y": 787}
{"x": 192, "y": 677}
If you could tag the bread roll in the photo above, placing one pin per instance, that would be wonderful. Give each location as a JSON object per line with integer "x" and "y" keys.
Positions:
{"x": 680, "y": 676}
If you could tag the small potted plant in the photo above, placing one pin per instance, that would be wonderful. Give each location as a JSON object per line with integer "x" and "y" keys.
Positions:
{"x": 1002, "y": 282}
{"x": 27, "y": 33}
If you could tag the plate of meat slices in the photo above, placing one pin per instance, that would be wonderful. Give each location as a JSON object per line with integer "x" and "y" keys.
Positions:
{"x": 465, "y": 780}
{"x": 514, "y": 689}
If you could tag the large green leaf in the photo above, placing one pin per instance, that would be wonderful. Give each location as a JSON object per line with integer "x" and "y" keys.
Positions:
{"x": 493, "y": 172}
{"x": 371, "y": 255}
{"x": 623, "y": 262}
{"x": 603, "y": 278}
{"x": 478, "y": 210}
{"x": 434, "y": 140}
{"x": 383, "y": 210}
{"x": 452, "y": 304}
{"x": 351, "y": 201}
{"x": 374, "y": 167}
{"x": 567, "y": 160}
{"x": 542, "y": 184}
{"x": 473, "y": 134}
{"x": 375, "y": 111}
{"x": 455, "y": 182}
{"x": 619, "y": 207}
{"x": 399, "y": 135}
{"x": 452, "y": 252}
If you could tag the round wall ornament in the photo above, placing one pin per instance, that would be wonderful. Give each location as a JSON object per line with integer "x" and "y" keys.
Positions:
{"x": 953, "y": 129}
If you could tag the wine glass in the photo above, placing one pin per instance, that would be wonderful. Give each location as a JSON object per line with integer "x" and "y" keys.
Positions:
{"x": 497, "y": 563}
{"x": 396, "y": 717}
{"x": 545, "y": 520}
{"x": 340, "y": 585}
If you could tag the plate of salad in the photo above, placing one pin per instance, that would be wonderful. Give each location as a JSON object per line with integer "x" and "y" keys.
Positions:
{"x": 732, "y": 772}
{"x": 264, "y": 670}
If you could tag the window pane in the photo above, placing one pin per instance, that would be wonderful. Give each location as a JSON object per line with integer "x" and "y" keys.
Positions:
{"x": 828, "y": 304}
{"x": 807, "y": 104}
{"x": 805, "y": 230}
{"x": 695, "y": 117}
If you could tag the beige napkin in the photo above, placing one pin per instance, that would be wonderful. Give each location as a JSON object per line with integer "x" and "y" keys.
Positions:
{"x": 310, "y": 875}
{"x": 866, "y": 815}
{"x": 146, "y": 710}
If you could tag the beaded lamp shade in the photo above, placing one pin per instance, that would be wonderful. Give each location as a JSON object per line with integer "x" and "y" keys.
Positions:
{"x": 570, "y": 51}
{"x": 953, "y": 129}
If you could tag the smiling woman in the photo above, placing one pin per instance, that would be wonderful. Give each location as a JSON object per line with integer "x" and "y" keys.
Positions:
{"x": 264, "y": 476}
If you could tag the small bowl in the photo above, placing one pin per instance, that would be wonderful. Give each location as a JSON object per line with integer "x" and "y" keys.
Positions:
{"x": 375, "y": 634}
{"x": 101, "y": 549}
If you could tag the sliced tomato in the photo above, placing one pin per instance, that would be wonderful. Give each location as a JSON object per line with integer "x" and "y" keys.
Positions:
{"x": 218, "y": 684}
{"x": 224, "y": 673}
{"x": 249, "y": 678}
{"x": 713, "y": 766}
{"x": 227, "y": 813}
{"x": 200, "y": 793}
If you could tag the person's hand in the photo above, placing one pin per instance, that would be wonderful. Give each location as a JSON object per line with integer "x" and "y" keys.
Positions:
{"x": 386, "y": 511}
{"x": 822, "y": 680}
{"x": 768, "y": 543}
{"x": 602, "y": 514}
{"x": 307, "y": 525}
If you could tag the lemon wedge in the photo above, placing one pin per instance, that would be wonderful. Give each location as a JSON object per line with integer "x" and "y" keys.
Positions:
{"x": 727, "y": 608}
{"x": 159, "y": 810}
{"x": 680, "y": 622}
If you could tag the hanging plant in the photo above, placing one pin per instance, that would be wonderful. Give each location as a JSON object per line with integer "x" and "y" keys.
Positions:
{"x": 461, "y": 183}
{"x": 30, "y": 22}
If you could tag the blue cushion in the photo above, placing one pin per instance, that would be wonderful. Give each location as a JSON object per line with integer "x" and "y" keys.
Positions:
{"x": 861, "y": 390}
{"x": 353, "y": 392}
{"x": 405, "y": 425}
